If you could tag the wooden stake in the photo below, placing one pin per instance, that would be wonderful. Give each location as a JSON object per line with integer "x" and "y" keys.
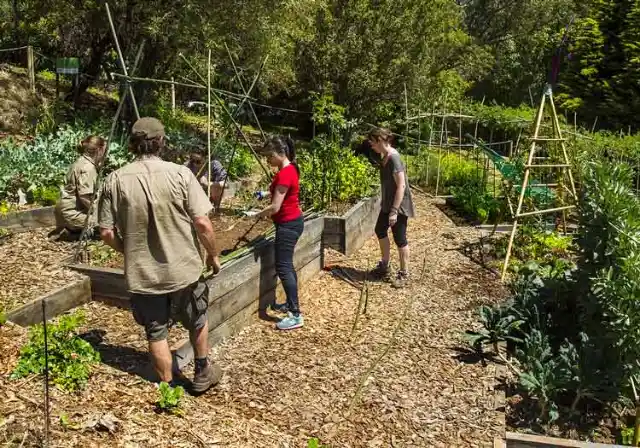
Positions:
{"x": 124, "y": 66}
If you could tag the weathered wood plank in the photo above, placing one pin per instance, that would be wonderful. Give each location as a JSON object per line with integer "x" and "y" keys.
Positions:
{"x": 241, "y": 270}
{"x": 242, "y": 318}
{"x": 517, "y": 440}
{"x": 105, "y": 282}
{"x": 348, "y": 233}
{"x": 56, "y": 302}
{"x": 262, "y": 285}
{"x": 29, "y": 219}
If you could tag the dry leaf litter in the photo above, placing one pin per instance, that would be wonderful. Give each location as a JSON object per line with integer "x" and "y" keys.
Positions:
{"x": 281, "y": 388}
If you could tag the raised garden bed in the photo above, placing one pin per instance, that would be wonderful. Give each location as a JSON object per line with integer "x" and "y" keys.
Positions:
{"x": 32, "y": 267}
{"x": 347, "y": 233}
{"x": 232, "y": 232}
{"x": 28, "y": 219}
{"x": 55, "y": 303}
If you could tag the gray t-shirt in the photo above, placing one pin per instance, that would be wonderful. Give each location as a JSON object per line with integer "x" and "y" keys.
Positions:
{"x": 394, "y": 165}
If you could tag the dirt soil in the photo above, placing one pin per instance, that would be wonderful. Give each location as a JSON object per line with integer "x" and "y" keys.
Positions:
{"x": 32, "y": 267}
{"x": 231, "y": 231}
{"x": 399, "y": 376}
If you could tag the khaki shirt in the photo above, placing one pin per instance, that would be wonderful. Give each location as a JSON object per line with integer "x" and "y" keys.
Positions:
{"x": 152, "y": 204}
{"x": 81, "y": 180}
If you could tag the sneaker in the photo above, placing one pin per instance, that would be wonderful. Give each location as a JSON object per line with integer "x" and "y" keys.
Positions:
{"x": 401, "y": 280}
{"x": 290, "y": 322}
{"x": 280, "y": 308}
{"x": 380, "y": 272}
{"x": 206, "y": 378}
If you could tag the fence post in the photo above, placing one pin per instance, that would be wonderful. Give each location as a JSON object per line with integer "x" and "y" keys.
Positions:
{"x": 31, "y": 69}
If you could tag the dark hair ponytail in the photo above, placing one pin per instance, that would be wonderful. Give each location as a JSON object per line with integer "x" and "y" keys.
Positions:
{"x": 291, "y": 152}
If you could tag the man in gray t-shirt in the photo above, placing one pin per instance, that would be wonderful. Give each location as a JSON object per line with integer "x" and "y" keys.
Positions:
{"x": 395, "y": 208}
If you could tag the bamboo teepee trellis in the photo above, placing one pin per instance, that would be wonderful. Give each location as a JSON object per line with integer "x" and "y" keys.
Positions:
{"x": 539, "y": 144}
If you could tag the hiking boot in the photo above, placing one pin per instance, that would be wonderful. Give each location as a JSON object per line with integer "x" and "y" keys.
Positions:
{"x": 401, "y": 280}
{"x": 380, "y": 272}
{"x": 290, "y": 322}
{"x": 207, "y": 377}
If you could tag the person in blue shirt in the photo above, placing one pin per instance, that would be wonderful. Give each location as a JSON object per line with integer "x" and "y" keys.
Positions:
{"x": 197, "y": 163}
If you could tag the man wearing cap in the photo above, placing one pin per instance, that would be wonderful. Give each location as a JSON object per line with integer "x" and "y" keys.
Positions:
{"x": 154, "y": 212}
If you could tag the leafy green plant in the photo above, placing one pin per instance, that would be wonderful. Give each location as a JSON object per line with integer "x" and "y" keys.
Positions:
{"x": 498, "y": 325}
{"x": 314, "y": 442}
{"x": 70, "y": 357}
{"x": 475, "y": 202}
{"x": 45, "y": 195}
{"x": 627, "y": 435}
{"x": 170, "y": 399}
{"x": 544, "y": 381}
{"x": 330, "y": 171}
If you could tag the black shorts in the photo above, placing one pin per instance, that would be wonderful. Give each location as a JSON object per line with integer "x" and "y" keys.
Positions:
{"x": 157, "y": 312}
{"x": 399, "y": 230}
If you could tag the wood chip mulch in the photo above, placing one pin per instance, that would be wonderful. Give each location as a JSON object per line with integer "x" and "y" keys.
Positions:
{"x": 32, "y": 266}
{"x": 401, "y": 378}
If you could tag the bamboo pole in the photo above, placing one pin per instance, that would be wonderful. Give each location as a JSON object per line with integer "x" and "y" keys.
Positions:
{"x": 406, "y": 126}
{"x": 233, "y": 120}
{"x": 556, "y": 124}
{"x": 82, "y": 241}
{"x": 31, "y": 68}
{"x": 439, "y": 157}
{"x": 209, "y": 124}
{"x": 235, "y": 69}
{"x": 193, "y": 85}
{"x": 173, "y": 96}
{"x": 460, "y": 134}
{"x": 124, "y": 66}
{"x": 549, "y": 210}
{"x": 525, "y": 182}
{"x": 433, "y": 119}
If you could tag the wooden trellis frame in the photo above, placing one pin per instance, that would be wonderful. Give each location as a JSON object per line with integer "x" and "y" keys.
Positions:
{"x": 536, "y": 142}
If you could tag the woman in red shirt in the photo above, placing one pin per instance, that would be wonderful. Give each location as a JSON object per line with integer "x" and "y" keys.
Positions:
{"x": 287, "y": 216}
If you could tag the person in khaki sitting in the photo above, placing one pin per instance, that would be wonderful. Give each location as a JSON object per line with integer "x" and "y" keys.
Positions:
{"x": 154, "y": 212}
{"x": 73, "y": 206}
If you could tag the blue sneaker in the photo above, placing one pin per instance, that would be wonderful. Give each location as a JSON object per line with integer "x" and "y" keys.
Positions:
{"x": 290, "y": 322}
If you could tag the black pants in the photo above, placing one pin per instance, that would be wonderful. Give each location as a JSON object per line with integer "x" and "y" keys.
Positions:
{"x": 287, "y": 235}
{"x": 399, "y": 230}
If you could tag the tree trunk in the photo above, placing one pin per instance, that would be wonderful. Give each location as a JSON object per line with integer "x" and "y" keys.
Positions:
{"x": 16, "y": 22}
{"x": 92, "y": 69}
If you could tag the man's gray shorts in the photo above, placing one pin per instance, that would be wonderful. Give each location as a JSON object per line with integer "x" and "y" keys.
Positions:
{"x": 157, "y": 312}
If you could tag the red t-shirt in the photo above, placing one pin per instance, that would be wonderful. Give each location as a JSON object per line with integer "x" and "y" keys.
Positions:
{"x": 290, "y": 209}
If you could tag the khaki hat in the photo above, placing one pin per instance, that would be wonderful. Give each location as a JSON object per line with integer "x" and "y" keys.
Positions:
{"x": 148, "y": 128}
